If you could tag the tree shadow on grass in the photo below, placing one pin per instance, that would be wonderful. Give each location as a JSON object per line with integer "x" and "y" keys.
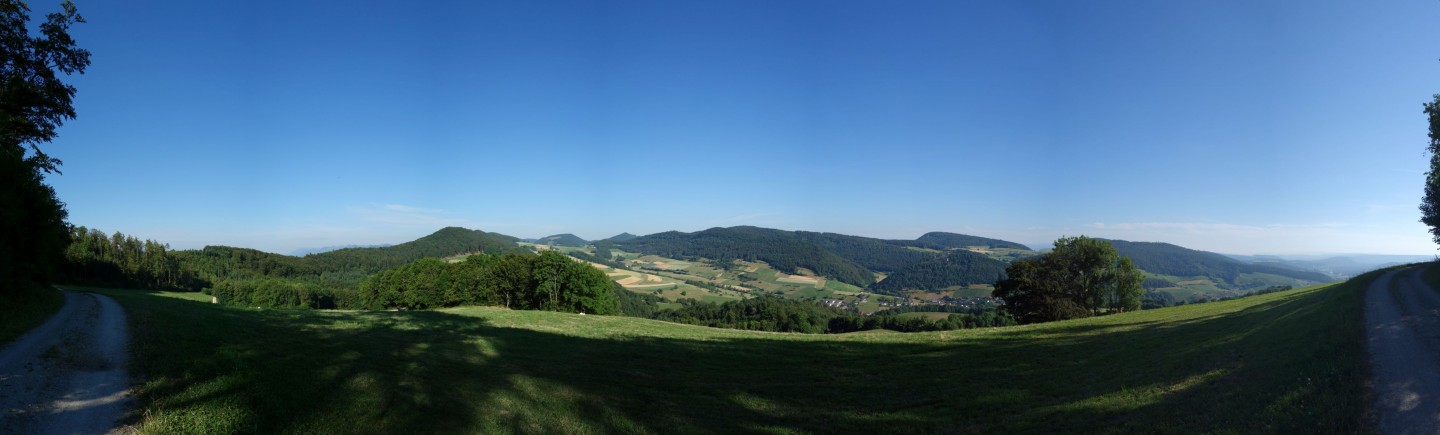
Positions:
{"x": 269, "y": 371}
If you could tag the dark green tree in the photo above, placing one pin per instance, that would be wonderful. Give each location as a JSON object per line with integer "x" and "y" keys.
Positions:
{"x": 1080, "y": 278}
{"x": 33, "y": 103}
{"x": 1430, "y": 204}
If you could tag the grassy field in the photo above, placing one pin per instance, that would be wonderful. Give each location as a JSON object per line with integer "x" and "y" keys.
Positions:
{"x": 26, "y": 308}
{"x": 1287, "y": 362}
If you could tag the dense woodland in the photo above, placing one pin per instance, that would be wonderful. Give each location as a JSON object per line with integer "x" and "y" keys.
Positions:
{"x": 936, "y": 272}
{"x": 117, "y": 260}
{"x": 769, "y": 313}
{"x": 874, "y": 254}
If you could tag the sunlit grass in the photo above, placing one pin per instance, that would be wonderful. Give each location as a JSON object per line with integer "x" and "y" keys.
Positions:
{"x": 1281, "y": 362}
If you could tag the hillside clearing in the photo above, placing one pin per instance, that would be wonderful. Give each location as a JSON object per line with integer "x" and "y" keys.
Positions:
{"x": 1282, "y": 362}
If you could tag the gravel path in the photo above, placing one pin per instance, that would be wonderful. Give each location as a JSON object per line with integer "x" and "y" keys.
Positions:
{"x": 68, "y": 375}
{"x": 1402, "y": 316}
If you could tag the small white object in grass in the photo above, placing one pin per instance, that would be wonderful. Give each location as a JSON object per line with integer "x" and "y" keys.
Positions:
{"x": 582, "y": 313}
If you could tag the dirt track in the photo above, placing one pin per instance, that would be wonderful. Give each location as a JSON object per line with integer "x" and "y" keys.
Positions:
{"x": 1403, "y": 334}
{"x": 68, "y": 375}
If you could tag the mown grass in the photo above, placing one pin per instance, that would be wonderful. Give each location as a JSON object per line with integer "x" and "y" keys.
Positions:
{"x": 25, "y": 308}
{"x": 1290, "y": 362}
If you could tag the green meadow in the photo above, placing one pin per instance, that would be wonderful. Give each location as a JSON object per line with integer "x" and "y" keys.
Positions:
{"x": 1282, "y": 362}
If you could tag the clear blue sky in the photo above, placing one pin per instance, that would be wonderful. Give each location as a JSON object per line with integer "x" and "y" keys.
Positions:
{"x": 1231, "y": 126}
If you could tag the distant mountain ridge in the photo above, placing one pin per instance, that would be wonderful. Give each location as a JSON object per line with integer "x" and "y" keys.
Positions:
{"x": 1168, "y": 259}
{"x": 943, "y": 240}
{"x": 621, "y": 237}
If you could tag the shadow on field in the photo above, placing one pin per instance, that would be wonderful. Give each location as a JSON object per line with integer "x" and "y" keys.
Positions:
{"x": 1277, "y": 366}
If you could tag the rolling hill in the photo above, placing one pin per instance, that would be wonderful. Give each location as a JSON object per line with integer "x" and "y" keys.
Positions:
{"x": 566, "y": 239}
{"x": 1226, "y": 272}
{"x": 344, "y": 267}
{"x": 938, "y": 272}
{"x": 784, "y": 250}
{"x": 621, "y": 237}
{"x": 943, "y": 240}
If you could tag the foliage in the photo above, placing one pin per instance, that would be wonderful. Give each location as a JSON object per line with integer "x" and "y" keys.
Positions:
{"x": 280, "y": 293}
{"x": 124, "y": 261}
{"x": 943, "y": 241}
{"x": 549, "y": 281}
{"x": 783, "y": 250}
{"x": 34, "y": 102}
{"x": 634, "y": 304}
{"x": 1080, "y": 278}
{"x": 769, "y": 313}
{"x": 874, "y": 254}
{"x": 954, "y": 268}
{"x": 1430, "y": 203}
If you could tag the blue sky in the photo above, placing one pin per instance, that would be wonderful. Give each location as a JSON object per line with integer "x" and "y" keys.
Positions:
{"x": 1232, "y": 126}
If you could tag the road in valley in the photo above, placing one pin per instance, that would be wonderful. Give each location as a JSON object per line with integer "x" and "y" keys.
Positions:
{"x": 69, "y": 374}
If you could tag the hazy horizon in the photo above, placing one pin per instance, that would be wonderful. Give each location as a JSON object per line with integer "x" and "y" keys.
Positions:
{"x": 1230, "y": 127}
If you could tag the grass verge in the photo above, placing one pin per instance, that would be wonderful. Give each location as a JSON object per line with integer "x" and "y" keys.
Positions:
{"x": 25, "y": 309}
{"x": 1289, "y": 362}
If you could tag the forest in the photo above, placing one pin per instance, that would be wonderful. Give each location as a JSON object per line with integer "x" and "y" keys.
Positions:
{"x": 939, "y": 271}
{"x": 769, "y": 313}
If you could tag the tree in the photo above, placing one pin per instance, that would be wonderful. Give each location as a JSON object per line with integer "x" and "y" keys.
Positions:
{"x": 1430, "y": 203}
{"x": 33, "y": 103}
{"x": 1080, "y": 278}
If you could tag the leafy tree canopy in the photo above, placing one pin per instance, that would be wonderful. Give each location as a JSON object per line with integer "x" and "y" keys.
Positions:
{"x": 1080, "y": 278}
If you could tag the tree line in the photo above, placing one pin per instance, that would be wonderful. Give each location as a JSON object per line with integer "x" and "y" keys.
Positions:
{"x": 770, "y": 313}
{"x": 118, "y": 260}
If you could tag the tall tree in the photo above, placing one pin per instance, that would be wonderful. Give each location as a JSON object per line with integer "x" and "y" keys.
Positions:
{"x": 33, "y": 103}
{"x": 1430, "y": 204}
{"x": 1081, "y": 277}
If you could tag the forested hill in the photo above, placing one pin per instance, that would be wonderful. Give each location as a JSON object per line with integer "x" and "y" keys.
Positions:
{"x": 344, "y": 267}
{"x": 874, "y": 254}
{"x": 621, "y": 237}
{"x": 566, "y": 239}
{"x": 953, "y": 268}
{"x": 1167, "y": 259}
{"x": 784, "y": 250}
{"x": 446, "y": 242}
{"x": 942, "y": 240}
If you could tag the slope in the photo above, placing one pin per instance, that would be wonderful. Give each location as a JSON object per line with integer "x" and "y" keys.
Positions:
{"x": 1168, "y": 259}
{"x": 566, "y": 239}
{"x": 783, "y": 250}
{"x": 874, "y": 254}
{"x": 954, "y": 268}
{"x": 344, "y": 267}
{"x": 1241, "y": 366}
{"x": 943, "y": 240}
